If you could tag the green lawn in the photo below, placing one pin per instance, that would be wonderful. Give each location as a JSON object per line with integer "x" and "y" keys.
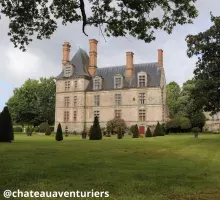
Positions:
{"x": 174, "y": 167}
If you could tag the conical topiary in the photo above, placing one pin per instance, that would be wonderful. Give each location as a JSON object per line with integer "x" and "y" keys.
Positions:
{"x": 119, "y": 133}
{"x": 59, "y": 134}
{"x": 96, "y": 133}
{"x": 135, "y": 132}
{"x": 148, "y": 133}
{"x": 158, "y": 130}
{"x": 6, "y": 128}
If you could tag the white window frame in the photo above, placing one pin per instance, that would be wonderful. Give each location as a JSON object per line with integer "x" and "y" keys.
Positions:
{"x": 142, "y": 115}
{"x": 141, "y": 98}
{"x": 97, "y": 83}
{"x": 117, "y": 77}
{"x": 66, "y": 102}
{"x": 141, "y": 74}
{"x": 96, "y": 113}
{"x": 66, "y": 116}
{"x": 97, "y": 100}
{"x": 68, "y": 70}
{"x": 118, "y": 99}
{"x": 67, "y": 85}
{"x": 118, "y": 114}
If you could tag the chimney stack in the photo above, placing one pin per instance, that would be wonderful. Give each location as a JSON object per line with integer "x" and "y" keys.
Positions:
{"x": 93, "y": 56}
{"x": 66, "y": 53}
{"x": 129, "y": 64}
{"x": 160, "y": 58}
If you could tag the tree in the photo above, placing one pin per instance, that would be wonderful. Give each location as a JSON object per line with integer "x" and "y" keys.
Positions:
{"x": 135, "y": 131}
{"x": 173, "y": 93}
{"x": 198, "y": 120}
{"x": 96, "y": 133}
{"x": 173, "y": 126}
{"x": 205, "y": 46}
{"x": 148, "y": 133}
{"x": 6, "y": 128}
{"x": 48, "y": 131}
{"x": 34, "y": 102}
{"x": 59, "y": 134}
{"x": 185, "y": 124}
{"x": 119, "y": 133}
{"x": 158, "y": 130}
{"x": 114, "y": 124}
{"x": 116, "y": 18}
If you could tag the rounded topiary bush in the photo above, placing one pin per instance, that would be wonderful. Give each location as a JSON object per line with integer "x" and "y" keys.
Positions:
{"x": 196, "y": 131}
{"x": 18, "y": 129}
{"x": 28, "y": 131}
{"x": 43, "y": 127}
{"x": 36, "y": 129}
{"x": 48, "y": 131}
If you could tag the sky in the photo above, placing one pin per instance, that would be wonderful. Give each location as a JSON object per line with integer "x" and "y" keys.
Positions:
{"x": 43, "y": 57}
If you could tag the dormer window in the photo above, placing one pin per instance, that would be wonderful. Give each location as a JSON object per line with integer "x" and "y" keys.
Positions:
{"x": 118, "y": 81}
{"x": 97, "y": 83}
{"x": 68, "y": 70}
{"x": 142, "y": 79}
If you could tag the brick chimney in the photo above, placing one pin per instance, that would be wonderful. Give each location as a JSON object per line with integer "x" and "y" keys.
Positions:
{"x": 66, "y": 53}
{"x": 160, "y": 58}
{"x": 93, "y": 56}
{"x": 129, "y": 64}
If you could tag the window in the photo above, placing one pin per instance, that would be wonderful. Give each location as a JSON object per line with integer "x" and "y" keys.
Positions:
{"x": 97, "y": 84}
{"x": 74, "y": 116}
{"x": 96, "y": 113}
{"x": 67, "y": 85}
{"x": 118, "y": 99}
{"x": 66, "y": 102}
{"x": 141, "y": 115}
{"x": 118, "y": 82}
{"x": 142, "y": 81}
{"x": 68, "y": 70}
{"x": 96, "y": 100}
{"x": 66, "y": 116}
{"x": 117, "y": 113}
{"x": 75, "y": 101}
{"x": 141, "y": 98}
{"x": 75, "y": 84}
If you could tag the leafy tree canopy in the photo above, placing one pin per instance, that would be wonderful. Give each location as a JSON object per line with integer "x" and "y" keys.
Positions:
{"x": 206, "y": 46}
{"x": 137, "y": 18}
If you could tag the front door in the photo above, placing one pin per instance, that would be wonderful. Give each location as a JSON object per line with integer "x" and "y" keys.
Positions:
{"x": 141, "y": 129}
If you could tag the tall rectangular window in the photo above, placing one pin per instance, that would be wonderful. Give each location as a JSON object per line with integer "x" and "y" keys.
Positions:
{"x": 74, "y": 116}
{"x": 75, "y": 101}
{"x": 67, "y": 85}
{"x": 96, "y": 113}
{"x": 96, "y": 100}
{"x": 141, "y": 98}
{"x": 118, "y": 99}
{"x": 97, "y": 84}
{"x": 142, "y": 81}
{"x": 75, "y": 84}
{"x": 66, "y": 116}
{"x": 117, "y": 82}
{"x": 141, "y": 115}
{"x": 66, "y": 102}
{"x": 117, "y": 113}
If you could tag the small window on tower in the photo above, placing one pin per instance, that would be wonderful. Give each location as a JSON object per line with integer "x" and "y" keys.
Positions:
{"x": 68, "y": 70}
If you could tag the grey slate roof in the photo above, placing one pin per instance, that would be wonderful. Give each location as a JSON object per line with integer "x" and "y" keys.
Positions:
{"x": 81, "y": 63}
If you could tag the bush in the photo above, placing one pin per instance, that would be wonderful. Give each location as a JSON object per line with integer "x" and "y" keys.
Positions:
{"x": 148, "y": 133}
{"x": 114, "y": 124}
{"x": 185, "y": 124}
{"x": 48, "y": 131}
{"x": 158, "y": 130}
{"x": 196, "y": 130}
{"x": 43, "y": 127}
{"x": 96, "y": 133}
{"x": 52, "y": 129}
{"x": 198, "y": 120}
{"x": 18, "y": 129}
{"x": 84, "y": 134}
{"x": 173, "y": 126}
{"x": 28, "y": 131}
{"x": 135, "y": 131}
{"x": 36, "y": 129}
{"x": 6, "y": 128}
{"x": 119, "y": 135}
{"x": 59, "y": 134}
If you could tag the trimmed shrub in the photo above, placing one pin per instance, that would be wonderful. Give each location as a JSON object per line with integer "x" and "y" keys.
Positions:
{"x": 84, "y": 134}
{"x": 6, "y": 128}
{"x": 135, "y": 132}
{"x": 28, "y": 131}
{"x": 148, "y": 133}
{"x": 59, "y": 134}
{"x": 18, "y": 129}
{"x": 119, "y": 135}
{"x": 96, "y": 133}
{"x": 185, "y": 124}
{"x": 52, "y": 129}
{"x": 196, "y": 131}
{"x": 48, "y": 131}
{"x": 43, "y": 127}
{"x": 158, "y": 130}
{"x": 198, "y": 120}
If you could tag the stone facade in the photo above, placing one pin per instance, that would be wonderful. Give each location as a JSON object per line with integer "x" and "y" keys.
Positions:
{"x": 78, "y": 100}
